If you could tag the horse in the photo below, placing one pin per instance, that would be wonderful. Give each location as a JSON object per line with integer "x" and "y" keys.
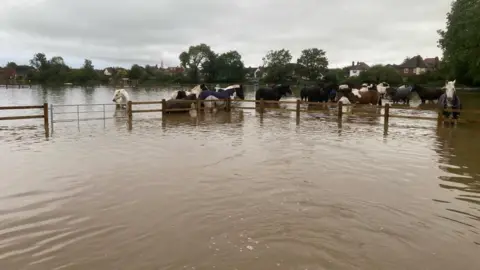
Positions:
{"x": 360, "y": 97}
{"x": 427, "y": 93}
{"x": 121, "y": 98}
{"x": 382, "y": 88}
{"x": 274, "y": 93}
{"x": 214, "y": 99}
{"x": 174, "y": 103}
{"x": 195, "y": 90}
{"x": 317, "y": 93}
{"x": 401, "y": 93}
{"x": 450, "y": 100}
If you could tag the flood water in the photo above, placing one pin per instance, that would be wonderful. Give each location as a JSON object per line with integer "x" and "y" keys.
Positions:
{"x": 233, "y": 190}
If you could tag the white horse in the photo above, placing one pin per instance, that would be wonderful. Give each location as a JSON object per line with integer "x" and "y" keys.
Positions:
{"x": 450, "y": 92}
{"x": 450, "y": 100}
{"x": 382, "y": 88}
{"x": 121, "y": 98}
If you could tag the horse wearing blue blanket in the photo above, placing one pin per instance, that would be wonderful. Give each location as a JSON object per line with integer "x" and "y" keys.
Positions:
{"x": 449, "y": 101}
{"x": 217, "y": 99}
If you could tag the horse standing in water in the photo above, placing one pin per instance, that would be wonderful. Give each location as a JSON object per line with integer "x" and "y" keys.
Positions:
{"x": 427, "y": 93}
{"x": 362, "y": 96}
{"x": 214, "y": 98}
{"x": 121, "y": 98}
{"x": 450, "y": 101}
{"x": 174, "y": 103}
{"x": 274, "y": 93}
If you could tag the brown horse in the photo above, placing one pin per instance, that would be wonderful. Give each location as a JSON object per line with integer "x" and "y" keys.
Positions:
{"x": 359, "y": 97}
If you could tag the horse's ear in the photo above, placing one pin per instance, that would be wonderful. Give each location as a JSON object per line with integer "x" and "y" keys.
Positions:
{"x": 454, "y": 81}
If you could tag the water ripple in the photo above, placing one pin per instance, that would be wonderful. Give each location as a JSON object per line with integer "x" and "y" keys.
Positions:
{"x": 237, "y": 191}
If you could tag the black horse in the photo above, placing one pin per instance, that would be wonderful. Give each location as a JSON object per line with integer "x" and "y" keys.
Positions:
{"x": 427, "y": 93}
{"x": 318, "y": 93}
{"x": 274, "y": 93}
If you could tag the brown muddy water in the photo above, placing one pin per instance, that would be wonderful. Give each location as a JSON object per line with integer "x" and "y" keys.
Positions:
{"x": 233, "y": 191}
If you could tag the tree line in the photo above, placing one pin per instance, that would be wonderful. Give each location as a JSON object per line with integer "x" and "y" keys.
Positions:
{"x": 199, "y": 63}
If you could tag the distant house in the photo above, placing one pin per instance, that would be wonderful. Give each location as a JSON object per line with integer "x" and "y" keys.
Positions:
{"x": 432, "y": 63}
{"x": 7, "y": 75}
{"x": 355, "y": 70}
{"x": 412, "y": 66}
{"x": 21, "y": 72}
{"x": 174, "y": 70}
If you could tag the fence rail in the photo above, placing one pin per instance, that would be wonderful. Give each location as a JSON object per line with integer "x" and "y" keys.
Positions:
{"x": 22, "y": 117}
{"x": 259, "y": 105}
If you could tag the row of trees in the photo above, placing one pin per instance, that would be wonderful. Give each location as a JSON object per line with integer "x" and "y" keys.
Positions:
{"x": 459, "y": 43}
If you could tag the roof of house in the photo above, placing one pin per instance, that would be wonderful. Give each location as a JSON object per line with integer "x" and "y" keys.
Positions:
{"x": 431, "y": 61}
{"x": 360, "y": 66}
{"x": 414, "y": 62}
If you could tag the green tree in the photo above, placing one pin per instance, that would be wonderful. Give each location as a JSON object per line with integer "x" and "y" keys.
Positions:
{"x": 12, "y": 65}
{"x": 193, "y": 59}
{"x": 136, "y": 72}
{"x": 312, "y": 63}
{"x": 459, "y": 41}
{"x": 230, "y": 67}
{"x": 39, "y": 61}
{"x": 276, "y": 63}
{"x": 209, "y": 67}
{"x": 380, "y": 73}
{"x": 336, "y": 75}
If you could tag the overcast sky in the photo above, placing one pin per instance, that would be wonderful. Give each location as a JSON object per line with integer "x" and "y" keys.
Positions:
{"x": 124, "y": 32}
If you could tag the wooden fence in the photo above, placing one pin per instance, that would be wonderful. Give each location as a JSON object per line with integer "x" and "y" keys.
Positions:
{"x": 259, "y": 105}
{"x": 21, "y": 117}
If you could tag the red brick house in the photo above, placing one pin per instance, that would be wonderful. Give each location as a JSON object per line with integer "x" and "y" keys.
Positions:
{"x": 7, "y": 74}
{"x": 412, "y": 66}
{"x": 432, "y": 63}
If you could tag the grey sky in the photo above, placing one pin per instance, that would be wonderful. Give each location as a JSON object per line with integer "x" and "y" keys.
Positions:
{"x": 124, "y": 32}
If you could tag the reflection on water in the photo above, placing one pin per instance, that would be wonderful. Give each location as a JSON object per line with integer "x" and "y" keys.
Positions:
{"x": 236, "y": 191}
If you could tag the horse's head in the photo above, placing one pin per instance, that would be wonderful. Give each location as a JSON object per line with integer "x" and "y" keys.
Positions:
{"x": 120, "y": 96}
{"x": 239, "y": 92}
{"x": 203, "y": 87}
{"x": 181, "y": 94}
{"x": 450, "y": 90}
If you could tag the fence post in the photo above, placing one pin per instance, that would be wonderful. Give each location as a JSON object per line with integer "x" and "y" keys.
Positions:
{"x": 340, "y": 111}
{"x": 164, "y": 108}
{"x": 262, "y": 106}
{"x": 385, "y": 119}
{"x": 229, "y": 103}
{"x": 198, "y": 106}
{"x": 439, "y": 117}
{"x": 129, "y": 115}
{"x": 45, "y": 119}
{"x": 297, "y": 111}
{"x": 51, "y": 116}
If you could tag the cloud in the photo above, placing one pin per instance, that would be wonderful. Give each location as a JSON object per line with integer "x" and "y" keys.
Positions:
{"x": 111, "y": 32}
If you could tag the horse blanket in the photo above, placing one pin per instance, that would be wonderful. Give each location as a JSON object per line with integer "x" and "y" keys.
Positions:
{"x": 456, "y": 105}
{"x": 220, "y": 95}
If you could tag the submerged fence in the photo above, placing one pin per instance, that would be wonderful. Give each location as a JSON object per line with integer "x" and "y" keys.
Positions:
{"x": 261, "y": 106}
